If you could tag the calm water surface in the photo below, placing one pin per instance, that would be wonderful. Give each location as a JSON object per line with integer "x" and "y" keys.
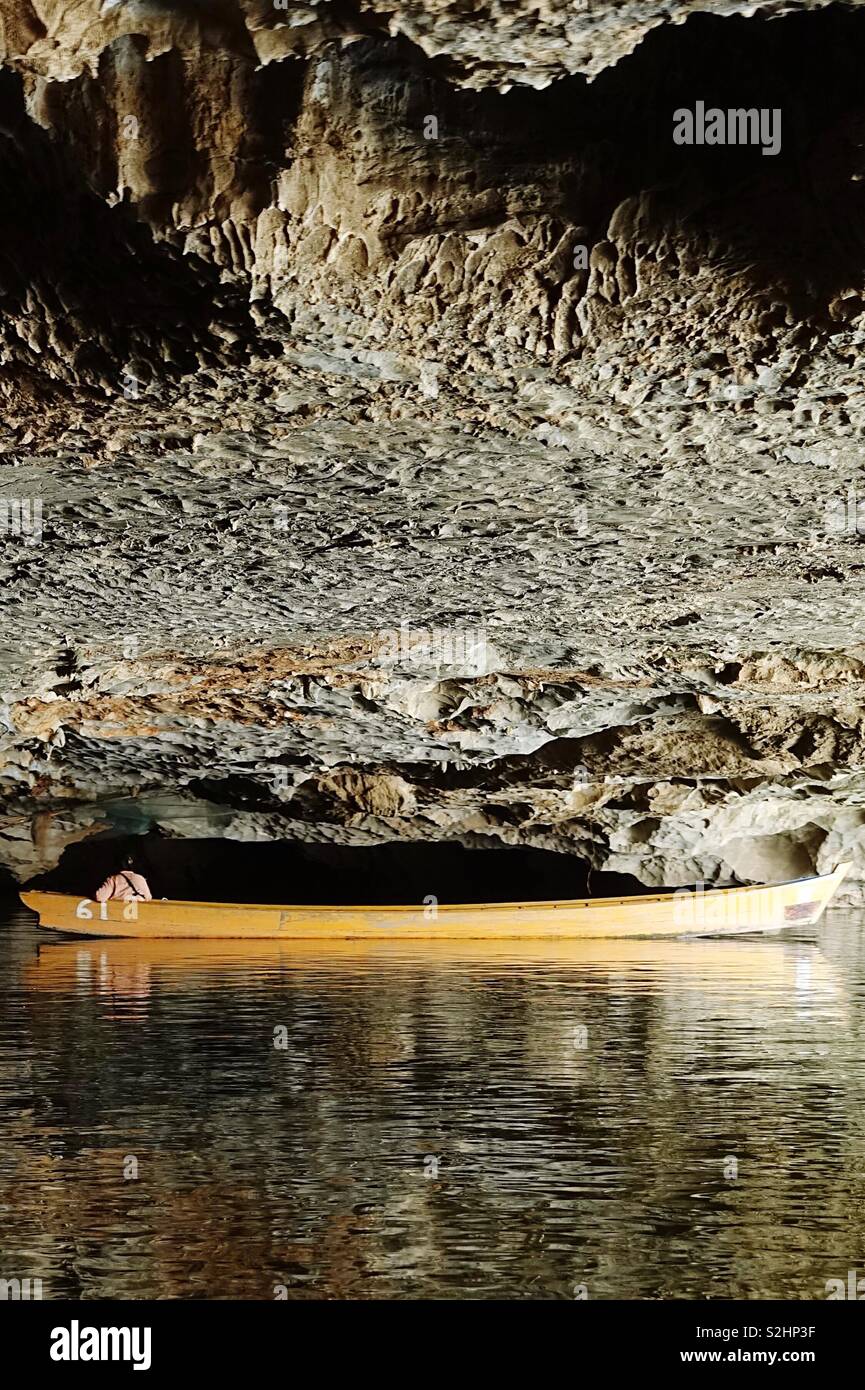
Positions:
{"x": 225, "y": 1121}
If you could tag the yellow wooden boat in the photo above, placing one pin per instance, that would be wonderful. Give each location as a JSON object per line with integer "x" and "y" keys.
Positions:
{"x": 718, "y": 912}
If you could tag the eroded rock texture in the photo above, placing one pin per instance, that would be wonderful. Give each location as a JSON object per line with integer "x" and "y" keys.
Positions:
{"x": 329, "y": 321}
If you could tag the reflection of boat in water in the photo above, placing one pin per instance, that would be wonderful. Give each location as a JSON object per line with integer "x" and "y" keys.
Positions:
{"x": 720, "y": 912}
{"x": 742, "y": 968}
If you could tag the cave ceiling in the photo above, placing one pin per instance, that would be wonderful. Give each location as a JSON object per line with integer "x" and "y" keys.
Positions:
{"x": 403, "y": 436}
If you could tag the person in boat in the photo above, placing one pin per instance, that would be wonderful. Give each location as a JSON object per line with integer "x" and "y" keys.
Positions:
{"x": 126, "y": 884}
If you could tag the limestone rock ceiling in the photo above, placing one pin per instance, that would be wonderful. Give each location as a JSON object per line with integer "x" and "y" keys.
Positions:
{"x": 322, "y": 320}
{"x": 482, "y": 44}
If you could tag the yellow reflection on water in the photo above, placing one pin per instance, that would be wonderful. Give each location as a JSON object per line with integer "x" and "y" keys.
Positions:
{"x": 445, "y": 1119}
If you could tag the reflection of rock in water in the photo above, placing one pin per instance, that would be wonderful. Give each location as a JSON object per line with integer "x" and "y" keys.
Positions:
{"x": 375, "y": 347}
{"x": 608, "y": 1157}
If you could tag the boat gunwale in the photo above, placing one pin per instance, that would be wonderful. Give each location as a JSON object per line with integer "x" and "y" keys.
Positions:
{"x": 549, "y": 904}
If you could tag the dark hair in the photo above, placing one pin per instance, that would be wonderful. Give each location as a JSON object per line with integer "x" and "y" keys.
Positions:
{"x": 126, "y": 861}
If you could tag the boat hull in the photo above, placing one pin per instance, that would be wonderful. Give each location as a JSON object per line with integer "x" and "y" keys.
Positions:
{"x": 722, "y": 912}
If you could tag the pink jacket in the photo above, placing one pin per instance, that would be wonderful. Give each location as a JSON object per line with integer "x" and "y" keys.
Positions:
{"x": 129, "y": 887}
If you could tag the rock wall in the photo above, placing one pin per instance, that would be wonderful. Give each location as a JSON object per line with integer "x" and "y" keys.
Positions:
{"x": 403, "y": 437}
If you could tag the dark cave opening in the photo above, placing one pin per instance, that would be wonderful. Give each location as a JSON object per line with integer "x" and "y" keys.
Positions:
{"x": 393, "y": 872}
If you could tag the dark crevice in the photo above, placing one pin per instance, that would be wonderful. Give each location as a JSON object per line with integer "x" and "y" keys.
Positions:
{"x": 280, "y": 872}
